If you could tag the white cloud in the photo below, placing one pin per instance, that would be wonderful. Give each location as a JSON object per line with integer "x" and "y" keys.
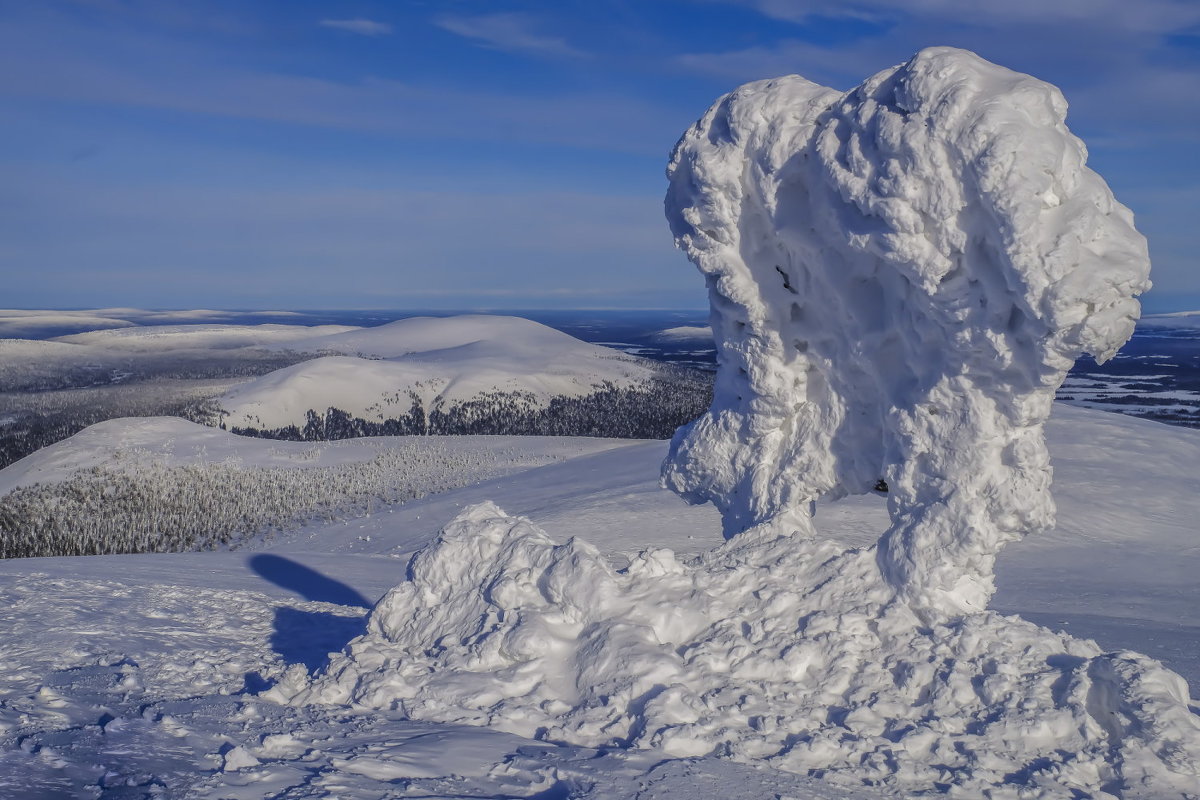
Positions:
{"x": 1112, "y": 59}
{"x": 1146, "y": 16}
{"x": 363, "y": 27}
{"x": 512, "y": 33}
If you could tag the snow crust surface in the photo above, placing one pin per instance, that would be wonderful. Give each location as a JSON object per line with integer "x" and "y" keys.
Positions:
{"x": 900, "y": 277}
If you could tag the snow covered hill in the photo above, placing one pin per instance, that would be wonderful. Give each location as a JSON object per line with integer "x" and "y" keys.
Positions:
{"x": 164, "y": 484}
{"x": 41, "y": 323}
{"x": 1178, "y": 319}
{"x": 463, "y": 374}
{"x": 159, "y": 338}
{"x": 145, "y": 668}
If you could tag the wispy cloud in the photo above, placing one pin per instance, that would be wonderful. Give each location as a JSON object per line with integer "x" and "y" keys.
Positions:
{"x": 395, "y": 243}
{"x": 1113, "y": 60}
{"x": 510, "y": 32}
{"x": 363, "y": 27}
{"x": 1147, "y": 16}
{"x": 113, "y": 75}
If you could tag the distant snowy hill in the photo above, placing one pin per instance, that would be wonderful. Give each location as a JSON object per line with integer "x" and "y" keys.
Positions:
{"x": 1176, "y": 319}
{"x": 90, "y": 358}
{"x": 163, "y": 484}
{"x": 41, "y": 323}
{"x": 429, "y": 334}
{"x": 220, "y": 337}
{"x": 466, "y": 374}
{"x": 686, "y": 333}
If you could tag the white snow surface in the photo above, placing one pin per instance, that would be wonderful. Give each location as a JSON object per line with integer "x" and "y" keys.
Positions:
{"x": 167, "y": 645}
{"x": 135, "y": 444}
{"x": 901, "y": 276}
{"x": 433, "y": 361}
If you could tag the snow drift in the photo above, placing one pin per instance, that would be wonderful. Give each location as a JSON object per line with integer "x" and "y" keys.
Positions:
{"x": 900, "y": 277}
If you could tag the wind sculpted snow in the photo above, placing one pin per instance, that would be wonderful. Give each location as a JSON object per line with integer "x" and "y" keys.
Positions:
{"x": 900, "y": 278}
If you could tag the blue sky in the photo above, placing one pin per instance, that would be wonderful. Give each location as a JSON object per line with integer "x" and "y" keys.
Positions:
{"x": 298, "y": 154}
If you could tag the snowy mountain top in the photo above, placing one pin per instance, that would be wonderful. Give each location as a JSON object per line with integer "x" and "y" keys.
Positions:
{"x": 21, "y": 325}
{"x": 1174, "y": 319}
{"x": 165, "y": 442}
{"x": 217, "y": 336}
{"x": 423, "y": 334}
{"x": 434, "y": 362}
{"x": 35, "y": 323}
{"x": 685, "y": 333}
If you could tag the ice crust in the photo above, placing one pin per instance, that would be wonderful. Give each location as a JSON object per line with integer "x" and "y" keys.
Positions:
{"x": 900, "y": 276}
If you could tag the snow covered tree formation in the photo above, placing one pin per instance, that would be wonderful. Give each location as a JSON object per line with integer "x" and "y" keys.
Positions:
{"x": 901, "y": 277}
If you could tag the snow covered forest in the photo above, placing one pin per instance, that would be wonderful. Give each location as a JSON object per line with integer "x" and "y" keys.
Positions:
{"x": 650, "y": 410}
{"x": 144, "y": 504}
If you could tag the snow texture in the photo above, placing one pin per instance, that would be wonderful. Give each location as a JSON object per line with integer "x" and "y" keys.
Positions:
{"x": 163, "y": 643}
{"x": 900, "y": 278}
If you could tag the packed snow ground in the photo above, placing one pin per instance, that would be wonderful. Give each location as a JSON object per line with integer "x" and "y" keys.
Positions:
{"x": 145, "y": 668}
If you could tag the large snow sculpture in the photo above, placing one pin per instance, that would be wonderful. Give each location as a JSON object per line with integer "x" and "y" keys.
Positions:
{"x": 900, "y": 277}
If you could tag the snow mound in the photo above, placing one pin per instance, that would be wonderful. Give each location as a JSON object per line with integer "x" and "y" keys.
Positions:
{"x": 758, "y": 651}
{"x": 900, "y": 277}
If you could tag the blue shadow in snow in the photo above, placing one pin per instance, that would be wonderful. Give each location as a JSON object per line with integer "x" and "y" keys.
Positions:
{"x": 305, "y": 581}
{"x": 302, "y": 636}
